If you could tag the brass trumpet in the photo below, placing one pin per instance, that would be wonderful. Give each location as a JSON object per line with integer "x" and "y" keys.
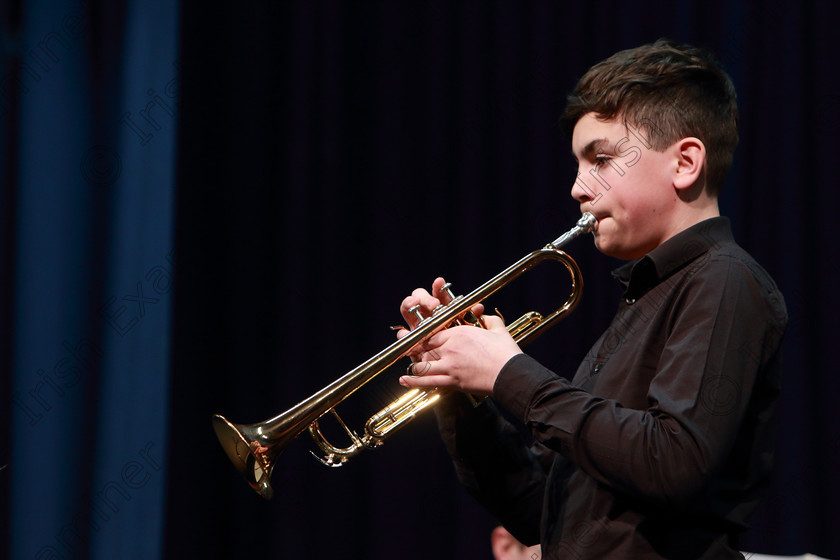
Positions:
{"x": 253, "y": 448}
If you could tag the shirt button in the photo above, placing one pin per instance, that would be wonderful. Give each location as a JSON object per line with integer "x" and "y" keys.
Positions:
{"x": 598, "y": 367}
{"x": 630, "y": 301}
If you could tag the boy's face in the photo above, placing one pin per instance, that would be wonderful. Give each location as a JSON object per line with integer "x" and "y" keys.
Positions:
{"x": 626, "y": 185}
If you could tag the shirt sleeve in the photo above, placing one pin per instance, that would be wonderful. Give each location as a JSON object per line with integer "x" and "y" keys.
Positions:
{"x": 724, "y": 329}
{"x": 494, "y": 463}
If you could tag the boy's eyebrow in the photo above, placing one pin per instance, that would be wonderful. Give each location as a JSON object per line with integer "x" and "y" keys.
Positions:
{"x": 592, "y": 148}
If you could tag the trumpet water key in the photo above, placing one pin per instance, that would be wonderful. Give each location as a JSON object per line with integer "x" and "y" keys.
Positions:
{"x": 253, "y": 448}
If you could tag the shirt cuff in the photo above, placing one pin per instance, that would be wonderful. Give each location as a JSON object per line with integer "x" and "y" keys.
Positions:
{"x": 517, "y": 383}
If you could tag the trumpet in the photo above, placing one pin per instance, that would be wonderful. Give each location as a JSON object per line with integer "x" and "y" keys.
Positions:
{"x": 253, "y": 448}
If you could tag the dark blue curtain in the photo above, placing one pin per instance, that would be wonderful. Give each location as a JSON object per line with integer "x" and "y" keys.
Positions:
{"x": 89, "y": 101}
{"x": 329, "y": 157}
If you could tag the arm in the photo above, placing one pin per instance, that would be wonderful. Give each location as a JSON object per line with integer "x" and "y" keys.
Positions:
{"x": 494, "y": 464}
{"x": 666, "y": 448}
{"x": 718, "y": 335}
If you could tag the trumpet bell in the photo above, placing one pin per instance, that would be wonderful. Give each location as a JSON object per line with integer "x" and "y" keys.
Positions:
{"x": 252, "y": 461}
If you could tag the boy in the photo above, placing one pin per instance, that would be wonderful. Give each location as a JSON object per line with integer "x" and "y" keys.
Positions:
{"x": 661, "y": 443}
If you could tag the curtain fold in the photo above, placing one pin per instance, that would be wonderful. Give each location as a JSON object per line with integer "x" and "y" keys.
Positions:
{"x": 92, "y": 277}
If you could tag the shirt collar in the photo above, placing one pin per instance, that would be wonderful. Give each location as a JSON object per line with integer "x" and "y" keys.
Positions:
{"x": 637, "y": 277}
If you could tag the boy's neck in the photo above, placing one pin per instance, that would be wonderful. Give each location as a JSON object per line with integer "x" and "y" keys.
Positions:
{"x": 693, "y": 213}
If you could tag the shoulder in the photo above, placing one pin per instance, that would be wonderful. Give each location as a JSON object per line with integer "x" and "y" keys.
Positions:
{"x": 730, "y": 274}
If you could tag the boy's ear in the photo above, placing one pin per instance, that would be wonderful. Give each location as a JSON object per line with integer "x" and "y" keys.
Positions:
{"x": 690, "y": 155}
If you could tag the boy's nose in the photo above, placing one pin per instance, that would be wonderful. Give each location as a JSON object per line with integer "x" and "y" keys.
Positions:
{"x": 582, "y": 192}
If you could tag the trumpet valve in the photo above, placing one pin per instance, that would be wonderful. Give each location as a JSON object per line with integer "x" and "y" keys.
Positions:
{"x": 447, "y": 289}
{"x": 416, "y": 311}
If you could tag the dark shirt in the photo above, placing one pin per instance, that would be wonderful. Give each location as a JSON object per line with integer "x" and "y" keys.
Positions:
{"x": 661, "y": 444}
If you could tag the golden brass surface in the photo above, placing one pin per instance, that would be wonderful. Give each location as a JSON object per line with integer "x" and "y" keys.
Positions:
{"x": 253, "y": 448}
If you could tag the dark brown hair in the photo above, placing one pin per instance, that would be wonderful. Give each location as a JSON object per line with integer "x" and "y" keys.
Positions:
{"x": 669, "y": 91}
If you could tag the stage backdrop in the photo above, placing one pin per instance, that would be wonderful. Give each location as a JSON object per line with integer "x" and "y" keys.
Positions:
{"x": 330, "y": 157}
{"x": 89, "y": 98}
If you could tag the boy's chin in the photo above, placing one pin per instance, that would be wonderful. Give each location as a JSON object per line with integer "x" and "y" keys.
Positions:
{"x": 617, "y": 250}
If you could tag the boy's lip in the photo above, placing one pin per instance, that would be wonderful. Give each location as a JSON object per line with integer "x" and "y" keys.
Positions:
{"x": 598, "y": 217}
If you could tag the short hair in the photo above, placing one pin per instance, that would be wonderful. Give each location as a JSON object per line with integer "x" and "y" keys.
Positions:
{"x": 670, "y": 91}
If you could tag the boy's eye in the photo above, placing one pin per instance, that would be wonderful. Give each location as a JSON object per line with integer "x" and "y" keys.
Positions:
{"x": 601, "y": 160}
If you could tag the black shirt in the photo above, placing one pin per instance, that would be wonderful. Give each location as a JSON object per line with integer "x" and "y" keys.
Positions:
{"x": 660, "y": 445}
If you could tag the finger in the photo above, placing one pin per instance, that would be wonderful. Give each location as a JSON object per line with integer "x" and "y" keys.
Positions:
{"x": 427, "y": 301}
{"x": 427, "y": 381}
{"x": 420, "y": 301}
{"x": 493, "y": 322}
{"x": 419, "y": 369}
{"x": 415, "y": 308}
{"x": 407, "y": 304}
{"x": 423, "y": 352}
{"x": 437, "y": 291}
{"x": 437, "y": 286}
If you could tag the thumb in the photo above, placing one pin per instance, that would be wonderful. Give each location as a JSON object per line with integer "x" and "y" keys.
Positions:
{"x": 493, "y": 322}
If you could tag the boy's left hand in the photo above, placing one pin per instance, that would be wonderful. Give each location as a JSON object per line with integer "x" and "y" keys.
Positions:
{"x": 465, "y": 358}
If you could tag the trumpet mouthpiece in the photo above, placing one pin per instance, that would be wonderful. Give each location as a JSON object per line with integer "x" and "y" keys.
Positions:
{"x": 586, "y": 222}
{"x": 584, "y": 225}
